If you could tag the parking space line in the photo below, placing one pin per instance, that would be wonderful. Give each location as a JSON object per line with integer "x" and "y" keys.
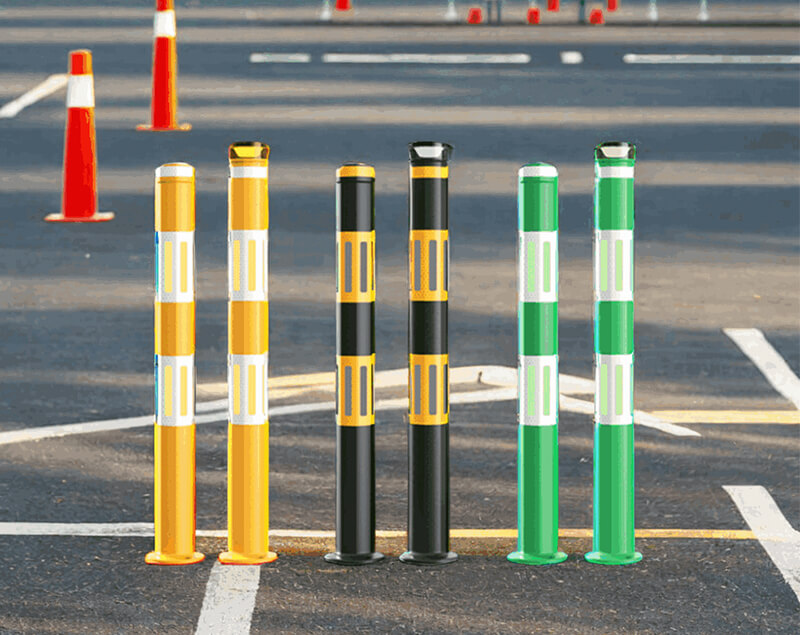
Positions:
{"x": 280, "y": 58}
{"x": 425, "y": 58}
{"x": 47, "y": 87}
{"x": 639, "y": 58}
{"x": 779, "y": 539}
{"x": 777, "y": 372}
{"x": 769, "y": 417}
{"x": 571, "y": 57}
{"x": 229, "y": 600}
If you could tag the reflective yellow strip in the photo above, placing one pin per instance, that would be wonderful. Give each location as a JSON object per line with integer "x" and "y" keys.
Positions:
{"x": 184, "y": 267}
{"x": 429, "y": 172}
{"x": 778, "y": 417}
{"x": 168, "y": 390}
{"x": 167, "y": 266}
{"x": 355, "y": 170}
{"x": 251, "y": 265}
{"x": 237, "y": 253}
{"x": 352, "y": 247}
{"x": 237, "y": 391}
{"x": 251, "y": 390}
{"x": 426, "y": 259}
{"x": 426, "y": 373}
{"x": 355, "y": 405}
{"x": 184, "y": 383}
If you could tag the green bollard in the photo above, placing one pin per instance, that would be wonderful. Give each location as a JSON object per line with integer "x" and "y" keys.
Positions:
{"x": 537, "y": 283}
{"x": 613, "y": 537}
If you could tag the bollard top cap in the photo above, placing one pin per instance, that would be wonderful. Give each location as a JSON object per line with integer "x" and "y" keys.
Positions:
{"x": 165, "y": 5}
{"x": 538, "y": 170}
{"x": 355, "y": 169}
{"x": 615, "y": 150}
{"x": 175, "y": 170}
{"x": 429, "y": 153}
{"x": 80, "y": 62}
{"x": 248, "y": 151}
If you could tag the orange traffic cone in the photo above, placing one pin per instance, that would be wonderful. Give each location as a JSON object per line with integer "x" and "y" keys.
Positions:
{"x": 343, "y": 5}
{"x": 475, "y": 16}
{"x": 613, "y": 5}
{"x": 596, "y": 16}
{"x": 164, "y": 104}
{"x": 553, "y": 5}
{"x": 79, "y": 199}
{"x": 534, "y": 16}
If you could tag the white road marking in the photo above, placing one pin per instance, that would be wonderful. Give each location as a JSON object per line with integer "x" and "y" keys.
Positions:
{"x": 753, "y": 344}
{"x": 280, "y": 58}
{"x": 229, "y": 601}
{"x": 571, "y": 57}
{"x": 47, "y": 87}
{"x": 503, "y": 377}
{"x": 638, "y": 58}
{"x": 423, "y": 58}
{"x": 779, "y": 539}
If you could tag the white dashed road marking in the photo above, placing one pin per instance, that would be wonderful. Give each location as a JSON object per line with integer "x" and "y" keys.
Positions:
{"x": 229, "y": 601}
{"x": 280, "y": 58}
{"x": 639, "y": 58}
{"x": 425, "y": 58}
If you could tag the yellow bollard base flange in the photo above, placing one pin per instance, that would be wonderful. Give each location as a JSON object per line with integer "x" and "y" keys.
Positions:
{"x": 232, "y": 557}
{"x": 156, "y": 557}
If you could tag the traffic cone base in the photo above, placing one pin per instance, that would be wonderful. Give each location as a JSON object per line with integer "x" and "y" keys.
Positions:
{"x": 97, "y": 217}
{"x": 146, "y": 127}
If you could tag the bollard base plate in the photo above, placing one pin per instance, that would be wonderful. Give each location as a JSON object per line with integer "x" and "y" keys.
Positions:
{"x": 354, "y": 559}
{"x": 146, "y": 127}
{"x": 157, "y": 557}
{"x": 425, "y": 559}
{"x": 521, "y": 557}
{"x": 233, "y": 557}
{"x": 97, "y": 217}
{"x": 603, "y": 557}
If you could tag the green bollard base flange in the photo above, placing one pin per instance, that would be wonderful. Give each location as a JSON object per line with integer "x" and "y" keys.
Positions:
{"x": 520, "y": 557}
{"x": 603, "y": 557}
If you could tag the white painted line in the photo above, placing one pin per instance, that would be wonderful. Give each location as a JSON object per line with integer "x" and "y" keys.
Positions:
{"x": 280, "y": 58}
{"x": 230, "y": 599}
{"x": 47, "y": 87}
{"x": 779, "y": 539}
{"x": 638, "y": 58}
{"x": 502, "y": 376}
{"x": 769, "y": 362}
{"x": 571, "y": 57}
{"x": 425, "y": 58}
{"x": 109, "y": 530}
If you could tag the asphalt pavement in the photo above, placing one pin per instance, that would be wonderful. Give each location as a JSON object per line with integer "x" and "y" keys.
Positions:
{"x": 717, "y": 229}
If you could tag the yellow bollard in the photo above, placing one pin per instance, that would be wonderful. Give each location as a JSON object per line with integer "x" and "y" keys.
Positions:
{"x": 174, "y": 499}
{"x": 248, "y": 345}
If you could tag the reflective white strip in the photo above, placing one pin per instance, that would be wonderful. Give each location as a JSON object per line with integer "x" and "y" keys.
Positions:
{"x": 175, "y": 390}
{"x": 248, "y": 172}
{"x": 613, "y": 171}
{"x": 538, "y": 170}
{"x": 538, "y": 390}
{"x": 537, "y": 278}
{"x": 248, "y": 400}
{"x": 613, "y": 265}
{"x": 164, "y": 24}
{"x": 183, "y": 170}
{"x": 248, "y": 265}
{"x": 175, "y": 267}
{"x": 613, "y": 397}
{"x": 80, "y": 91}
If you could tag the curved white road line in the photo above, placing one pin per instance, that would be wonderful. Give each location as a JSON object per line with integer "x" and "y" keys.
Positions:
{"x": 503, "y": 377}
{"x": 47, "y": 87}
